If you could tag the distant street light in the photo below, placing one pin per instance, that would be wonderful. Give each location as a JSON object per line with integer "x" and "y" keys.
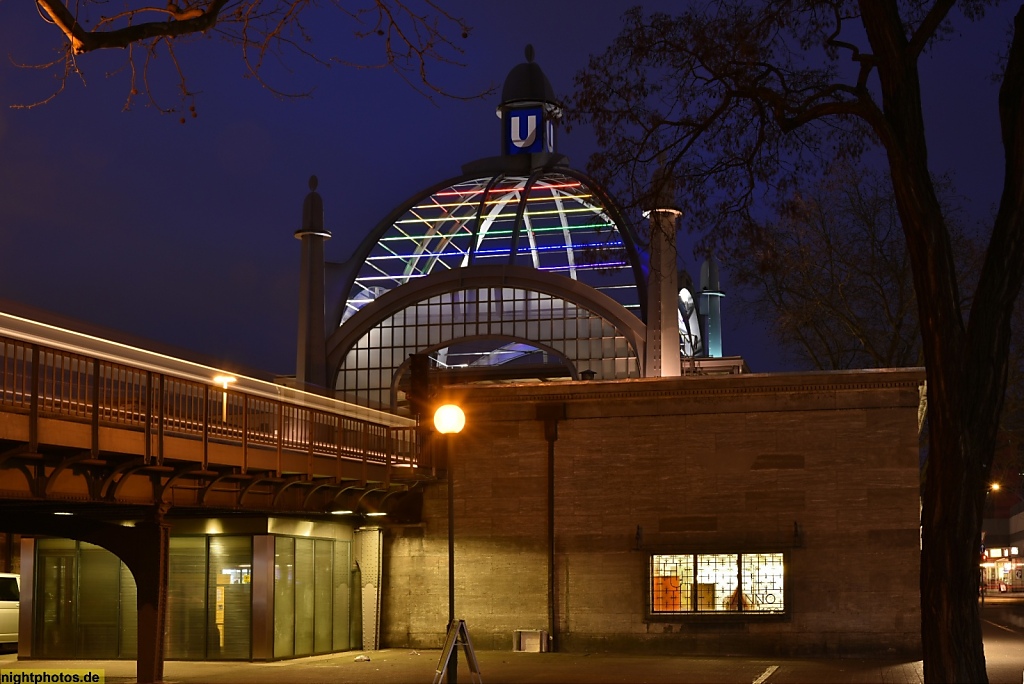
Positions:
{"x": 450, "y": 420}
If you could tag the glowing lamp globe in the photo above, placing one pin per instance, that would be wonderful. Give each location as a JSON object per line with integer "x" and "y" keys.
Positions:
{"x": 449, "y": 419}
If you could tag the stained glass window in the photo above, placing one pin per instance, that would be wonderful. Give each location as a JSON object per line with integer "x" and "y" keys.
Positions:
{"x": 717, "y": 583}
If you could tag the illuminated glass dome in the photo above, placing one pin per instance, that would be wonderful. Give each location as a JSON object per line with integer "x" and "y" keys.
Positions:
{"x": 514, "y": 225}
{"x": 555, "y": 220}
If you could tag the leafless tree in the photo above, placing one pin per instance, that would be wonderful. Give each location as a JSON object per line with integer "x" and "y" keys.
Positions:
{"x": 746, "y": 98}
{"x": 830, "y": 276}
{"x": 829, "y": 272}
{"x": 413, "y": 36}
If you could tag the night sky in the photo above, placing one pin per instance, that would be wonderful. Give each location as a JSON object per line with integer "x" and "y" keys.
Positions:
{"x": 183, "y": 233}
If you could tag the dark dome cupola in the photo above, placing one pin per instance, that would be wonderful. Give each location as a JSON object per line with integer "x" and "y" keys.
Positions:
{"x": 528, "y": 110}
{"x": 526, "y": 83}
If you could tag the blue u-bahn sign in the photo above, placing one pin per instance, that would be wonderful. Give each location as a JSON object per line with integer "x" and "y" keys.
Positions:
{"x": 527, "y": 132}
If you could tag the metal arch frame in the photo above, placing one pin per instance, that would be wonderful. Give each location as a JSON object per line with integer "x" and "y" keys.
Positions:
{"x": 345, "y": 337}
{"x": 623, "y": 226}
{"x": 480, "y": 209}
{"x": 517, "y": 225}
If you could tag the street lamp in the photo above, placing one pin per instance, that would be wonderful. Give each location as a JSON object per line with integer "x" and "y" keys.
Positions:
{"x": 449, "y": 420}
{"x": 224, "y": 381}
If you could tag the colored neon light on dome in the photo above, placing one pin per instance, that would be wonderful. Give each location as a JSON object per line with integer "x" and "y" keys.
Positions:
{"x": 507, "y": 215}
{"x": 495, "y": 233}
{"x": 538, "y": 193}
{"x": 492, "y": 235}
{"x": 513, "y": 184}
{"x": 462, "y": 229}
{"x": 585, "y": 267}
{"x": 547, "y": 212}
{"x": 481, "y": 252}
{"x": 417, "y": 255}
{"x": 553, "y": 229}
{"x": 582, "y": 245}
{"x": 392, "y": 278}
{"x": 495, "y": 202}
{"x": 528, "y": 250}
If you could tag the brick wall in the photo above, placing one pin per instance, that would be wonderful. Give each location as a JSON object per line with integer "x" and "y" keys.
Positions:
{"x": 820, "y": 466}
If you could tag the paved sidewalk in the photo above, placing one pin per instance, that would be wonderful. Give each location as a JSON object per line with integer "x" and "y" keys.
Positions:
{"x": 404, "y": 666}
{"x": 1004, "y": 651}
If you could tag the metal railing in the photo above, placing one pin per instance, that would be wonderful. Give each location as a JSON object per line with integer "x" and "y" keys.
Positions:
{"x": 49, "y": 382}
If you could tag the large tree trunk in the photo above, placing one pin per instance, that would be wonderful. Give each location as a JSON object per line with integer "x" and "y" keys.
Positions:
{"x": 967, "y": 367}
{"x": 966, "y": 364}
{"x": 954, "y": 494}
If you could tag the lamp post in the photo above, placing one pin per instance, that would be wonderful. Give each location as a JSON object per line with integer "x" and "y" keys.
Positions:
{"x": 224, "y": 381}
{"x": 449, "y": 420}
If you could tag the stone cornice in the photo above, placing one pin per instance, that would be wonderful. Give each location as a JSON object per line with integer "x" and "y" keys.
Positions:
{"x": 716, "y": 388}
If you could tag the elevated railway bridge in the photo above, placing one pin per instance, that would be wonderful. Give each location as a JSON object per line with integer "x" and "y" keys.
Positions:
{"x": 104, "y": 442}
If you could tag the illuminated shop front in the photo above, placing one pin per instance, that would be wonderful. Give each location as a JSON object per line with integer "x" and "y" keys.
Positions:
{"x": 237, "y": 595}
{"x": 1002, "y": 569}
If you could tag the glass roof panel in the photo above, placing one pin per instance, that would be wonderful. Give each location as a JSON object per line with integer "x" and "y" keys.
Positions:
{"x": 564, "y": 229}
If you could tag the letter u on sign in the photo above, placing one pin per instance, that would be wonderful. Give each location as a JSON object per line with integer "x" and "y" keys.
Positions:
{"x": 520, "y": 140}
{"x": 525, "y": 134}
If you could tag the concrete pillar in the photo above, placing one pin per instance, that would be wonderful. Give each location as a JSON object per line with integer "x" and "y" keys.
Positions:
{"x": 368, "y": 551}
{"x": 27, "y": 606}
{"x": 662, "y": 293}
{"x": 311, "y": 356}
{"x": 150, "y": 567}
{"x": 263, "y": 546}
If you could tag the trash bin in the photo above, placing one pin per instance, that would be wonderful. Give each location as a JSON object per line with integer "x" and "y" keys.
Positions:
{"x": 530, "y": 640}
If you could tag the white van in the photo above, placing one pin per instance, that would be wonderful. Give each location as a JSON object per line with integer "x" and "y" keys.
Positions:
{"x": 10, "y": 595}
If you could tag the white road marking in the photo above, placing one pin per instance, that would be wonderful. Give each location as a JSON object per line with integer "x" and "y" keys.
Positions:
{"x": 766, "y": 674}
{"x": 996, "y": 624}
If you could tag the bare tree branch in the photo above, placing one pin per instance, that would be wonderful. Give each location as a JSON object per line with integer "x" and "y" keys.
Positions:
{"x": 413, "y": 35}
{"x": 83, "y": 40}
{"x": 928, "y": 28}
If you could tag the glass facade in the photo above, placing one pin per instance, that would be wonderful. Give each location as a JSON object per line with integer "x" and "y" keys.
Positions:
{"x": 312, "y": 591}
{"x": 85, "y": 599}
{"x": 209, "y": 598}
{"x": 84, "y": 602}
{"x": 566, "y": 329}
{"x": 229, "y": 598}
{"x": 717, "y": 583}
{"x": 186, "y": 598}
